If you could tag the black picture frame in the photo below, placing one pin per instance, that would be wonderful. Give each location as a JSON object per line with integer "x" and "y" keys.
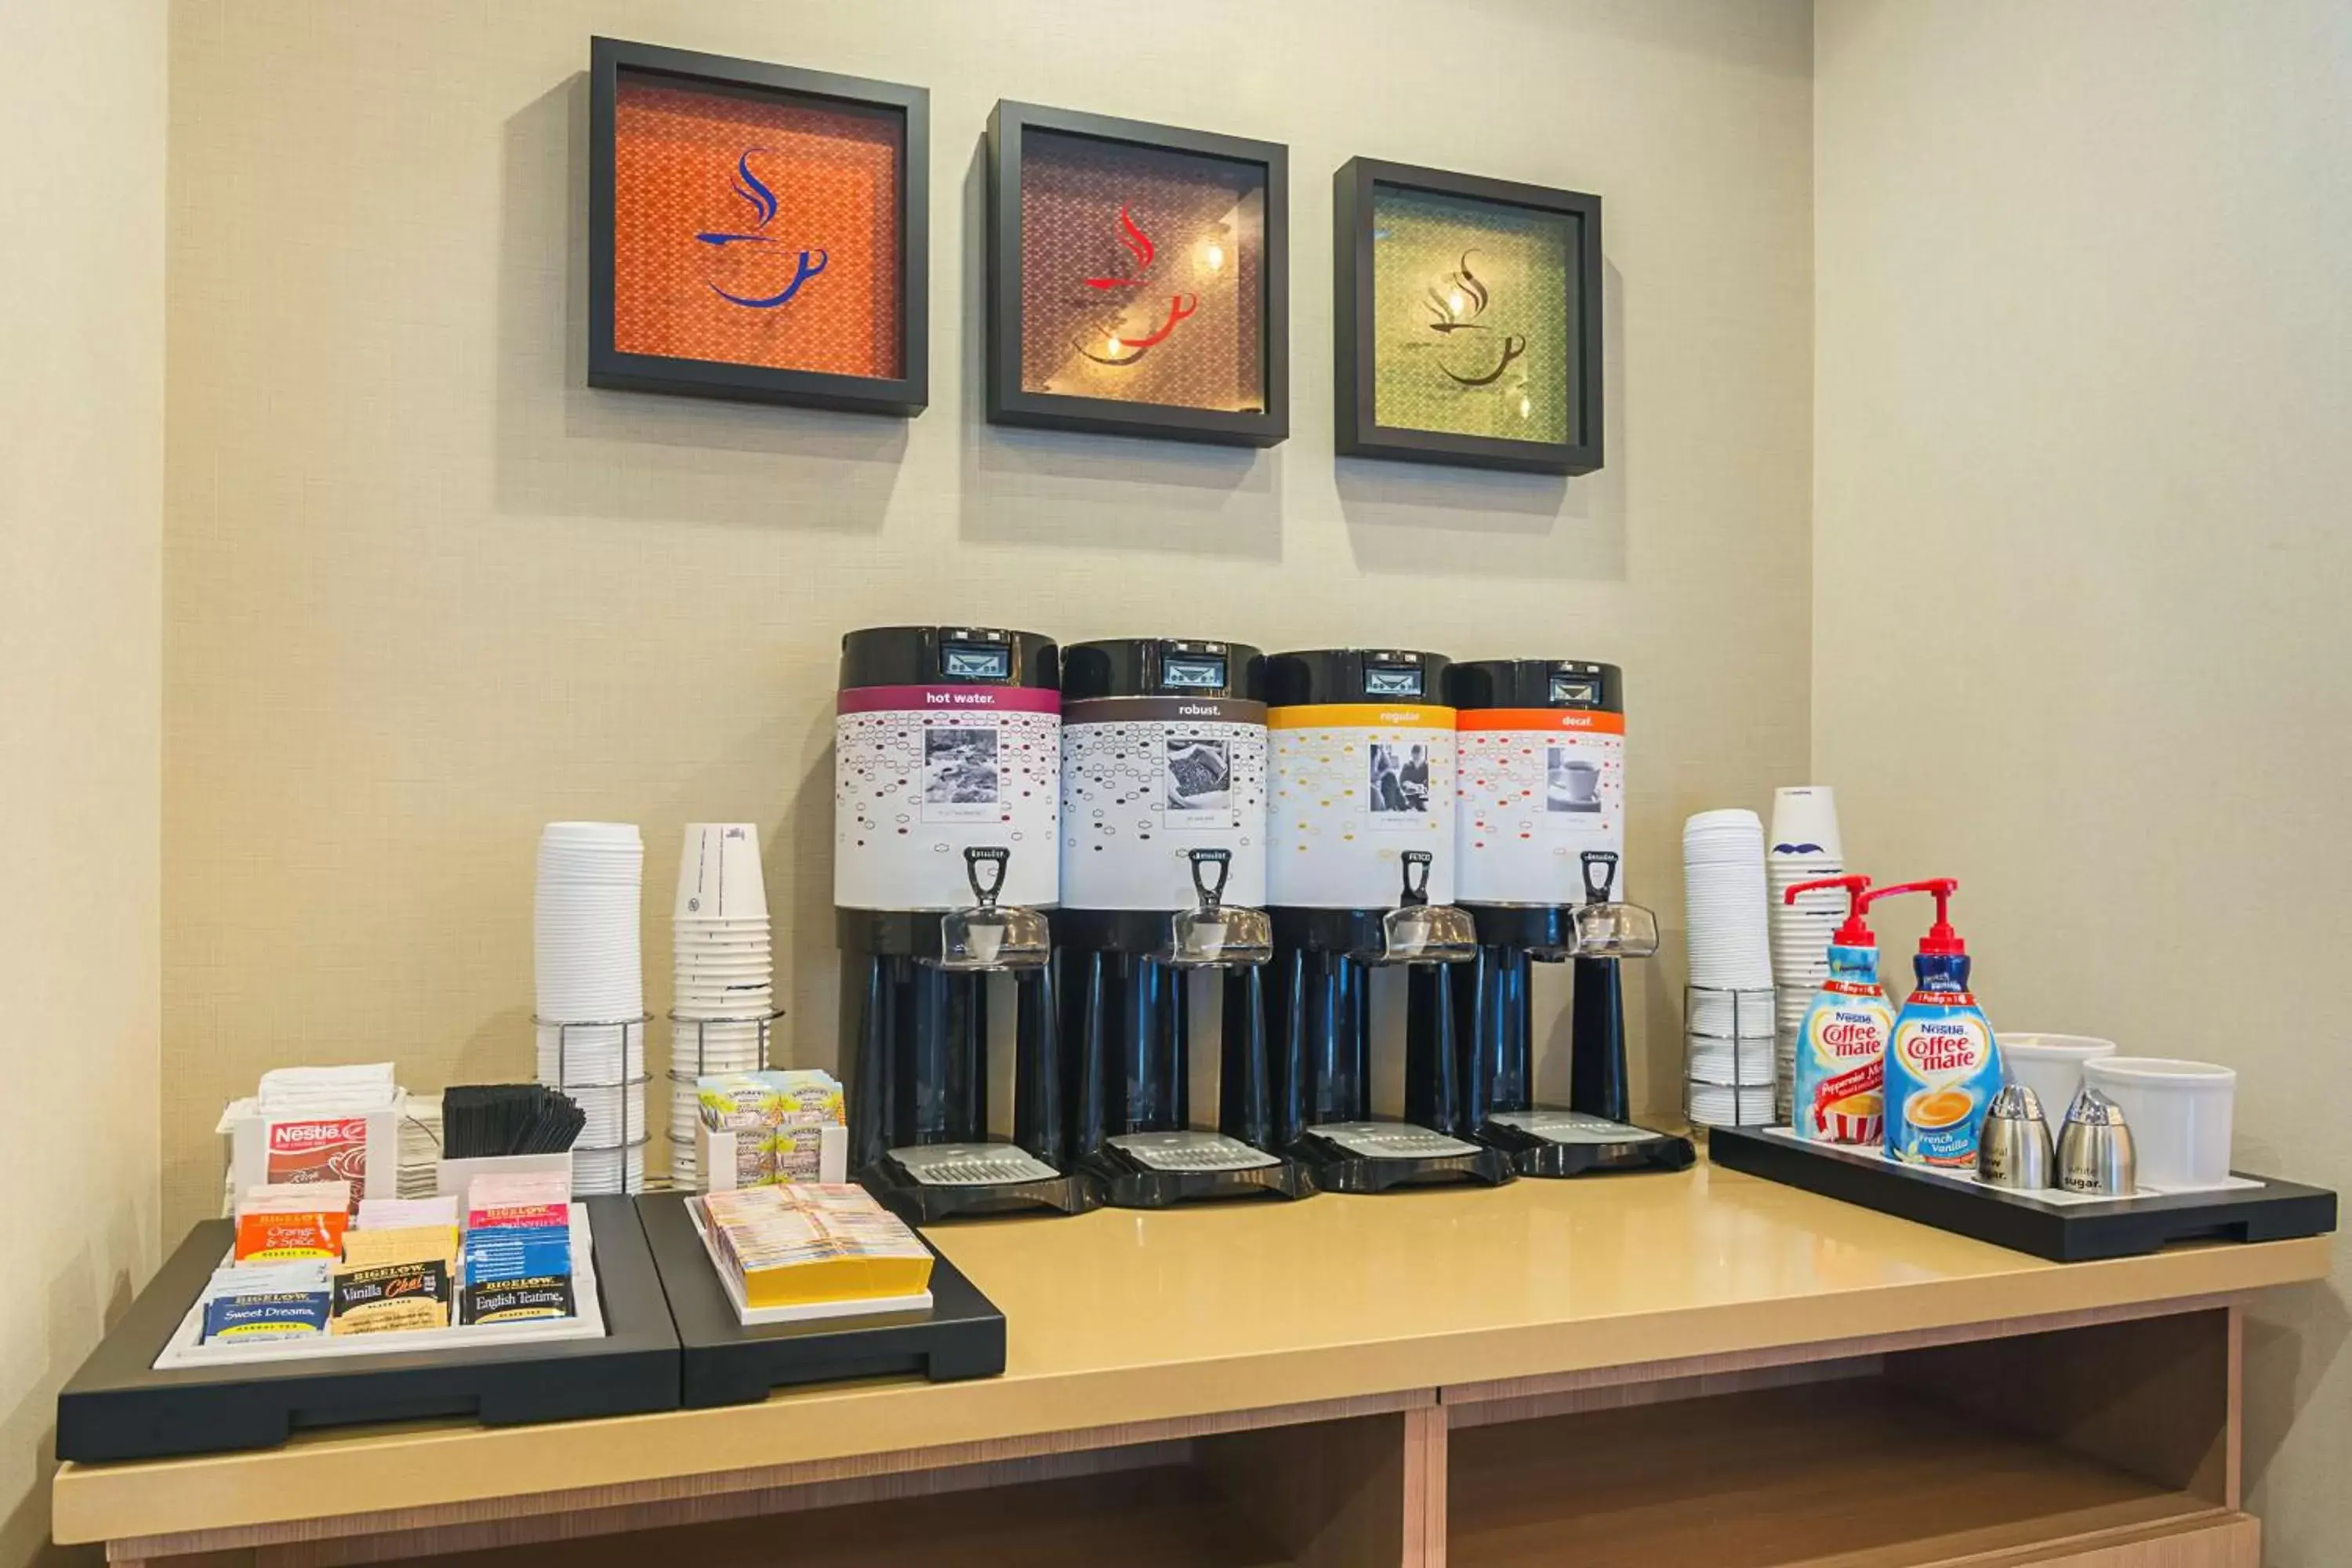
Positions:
{"x": 905, "y": 394}
{"x": 1008, "y": 403}
{"x": 1358, "y": 432}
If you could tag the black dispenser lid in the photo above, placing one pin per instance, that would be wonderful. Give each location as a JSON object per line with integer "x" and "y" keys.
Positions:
{"x": 1354, "y": 675}
{"x": 1536, "y": 683}
{"x": 948, "y": 656}
{"x": 1163, "y": 667}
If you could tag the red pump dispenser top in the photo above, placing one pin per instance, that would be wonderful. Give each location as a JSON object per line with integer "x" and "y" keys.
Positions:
{"x": 1941, "y": 939}
{"x": 1858, "y": 899}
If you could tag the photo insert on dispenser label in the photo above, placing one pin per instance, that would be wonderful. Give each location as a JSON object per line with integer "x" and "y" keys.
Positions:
{"x": 1571, "y": 782}
{"x": 960, "y": 774}
{"x": 1400, "y": 784}
{"x": 1200, "y": 783}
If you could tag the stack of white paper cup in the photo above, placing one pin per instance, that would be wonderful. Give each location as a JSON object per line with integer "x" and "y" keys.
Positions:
{"x": 591, "y": 995}
{"x": 1803, "y": 846}
{"x": 725, "y": 984}
{"x": 1729, "y": 1026}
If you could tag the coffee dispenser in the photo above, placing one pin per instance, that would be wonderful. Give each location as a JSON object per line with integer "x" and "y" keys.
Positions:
{"x": 1163, "y": 879}
{"x": 1360, "y": 876}
{"x": 947, "y": 747}
{"x": 1541, "y": 834}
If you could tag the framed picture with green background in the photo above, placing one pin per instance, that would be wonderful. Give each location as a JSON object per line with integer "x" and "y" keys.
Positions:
{"x": 1466, "y": 319}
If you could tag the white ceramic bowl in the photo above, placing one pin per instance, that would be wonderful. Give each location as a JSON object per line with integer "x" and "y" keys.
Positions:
{"x": 2051, "y": 1066}
{"x": 2179, "y": 1113}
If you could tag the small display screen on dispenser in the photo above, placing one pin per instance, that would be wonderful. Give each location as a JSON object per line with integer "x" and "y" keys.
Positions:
{"x": 1392, "y": 680}
{"x": 1576, "y": 690}
{"x": 975, "y": 662}
{"x": 1192, "y": 672}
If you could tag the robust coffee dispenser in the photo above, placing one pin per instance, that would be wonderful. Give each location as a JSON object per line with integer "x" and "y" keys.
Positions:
{"x": 1163, "y": 879}
{"x": 1541, "y": 834}
{"x": 1360, "y": 876}
{"x": 947, "y": 751}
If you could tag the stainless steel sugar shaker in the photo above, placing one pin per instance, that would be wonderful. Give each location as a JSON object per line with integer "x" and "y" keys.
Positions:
{"x": 2015, "y": 1150}
{"x": 2094, "y": 1151}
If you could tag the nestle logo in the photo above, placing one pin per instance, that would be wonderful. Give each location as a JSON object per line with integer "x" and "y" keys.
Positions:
{"x": 298, "y": 1134}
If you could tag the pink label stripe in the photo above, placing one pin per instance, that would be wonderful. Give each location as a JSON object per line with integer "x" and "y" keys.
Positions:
{"x": 950, "y": 699}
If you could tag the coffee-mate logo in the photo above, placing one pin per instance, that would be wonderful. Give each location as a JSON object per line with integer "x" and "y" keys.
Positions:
{"x": 1848, "y": 1034}
{"x": 1943, "y": 1048}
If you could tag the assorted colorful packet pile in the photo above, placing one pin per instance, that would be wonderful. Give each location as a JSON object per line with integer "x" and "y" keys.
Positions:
{"x": 305, "y": 1266}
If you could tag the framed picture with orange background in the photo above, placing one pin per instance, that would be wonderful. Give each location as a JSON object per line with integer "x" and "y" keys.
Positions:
{"x": 1139, "y": 279}
{"x": 756, "y": 231}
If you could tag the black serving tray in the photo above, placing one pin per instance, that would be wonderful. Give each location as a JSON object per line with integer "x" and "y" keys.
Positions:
{"x": 118, "y": 1406}
{"x": 2118, "y": 1228}
{"x": 723, "y": 1362}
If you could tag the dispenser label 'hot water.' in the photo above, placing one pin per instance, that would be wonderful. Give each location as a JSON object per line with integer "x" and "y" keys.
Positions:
{"x": 923, "y": 773}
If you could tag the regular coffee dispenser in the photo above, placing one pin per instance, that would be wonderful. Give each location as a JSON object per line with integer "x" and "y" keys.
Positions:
{"x": 946, "y": 805}
{"x": 1163, "y": 849}
{"x": 1541, "y": 837}
{"x": 1360, "y": 876}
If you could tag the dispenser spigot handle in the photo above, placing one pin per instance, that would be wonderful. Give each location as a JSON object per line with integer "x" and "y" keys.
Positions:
{"x": 984, "y": 892}
{"x": 1212, "y": 894}
{"x": 1605, "y": 862}
{"x": 1416, "y": 890}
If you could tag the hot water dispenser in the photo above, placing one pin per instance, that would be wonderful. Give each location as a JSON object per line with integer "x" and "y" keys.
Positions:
{"x": 946, "y": 802}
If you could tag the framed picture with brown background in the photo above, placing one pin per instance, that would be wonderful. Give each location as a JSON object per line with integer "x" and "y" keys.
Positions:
{"x": 756, "y": 231}
{"x": 1466, "y": 317}
{"x": 1139, "y": 279}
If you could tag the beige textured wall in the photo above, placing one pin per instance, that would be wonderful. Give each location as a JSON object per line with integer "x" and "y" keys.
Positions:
{"x": 81, "y": 507}
{"x": 427, "y": 591}
{"x": 2080, "y": 630}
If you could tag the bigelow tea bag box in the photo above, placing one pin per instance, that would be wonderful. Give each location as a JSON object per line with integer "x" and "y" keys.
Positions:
{"x": 363, "y": 1149}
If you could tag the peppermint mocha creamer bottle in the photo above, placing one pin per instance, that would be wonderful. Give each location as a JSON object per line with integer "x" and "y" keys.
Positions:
{"x": 1942, "y": 1066}
{"x": 1840, "y": 1092}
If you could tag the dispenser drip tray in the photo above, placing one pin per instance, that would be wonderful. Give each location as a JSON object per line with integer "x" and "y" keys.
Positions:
{"x": 971, "y": 1165}
{"x": 1391, "y": 1140}
{"x": 1190, "y": 1151}
{"x": 1572, "y": 1127}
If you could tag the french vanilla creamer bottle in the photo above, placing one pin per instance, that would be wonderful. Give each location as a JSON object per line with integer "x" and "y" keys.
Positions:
{"x": 1942, "y": 1066}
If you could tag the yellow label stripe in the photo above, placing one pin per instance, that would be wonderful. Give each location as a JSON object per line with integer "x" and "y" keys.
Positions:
{"x": 1361, "y": 715}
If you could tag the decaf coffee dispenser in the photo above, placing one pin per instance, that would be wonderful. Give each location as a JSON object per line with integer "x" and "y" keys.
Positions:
{"x": 946, "y": 801}
{"x": 1163, "y": 879}
{"x": 1360, "y": 876}
{"x": 1542, "y": 831}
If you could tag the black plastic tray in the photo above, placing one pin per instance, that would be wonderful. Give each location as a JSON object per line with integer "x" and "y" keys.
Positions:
{"x": 118, "y": 1406}
{"x": 722, "y": 1362}
{"x": 2121, "y": 1227}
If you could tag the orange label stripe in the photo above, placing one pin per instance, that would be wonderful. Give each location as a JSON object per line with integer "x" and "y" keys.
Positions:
{"x": 1581, "y": 721}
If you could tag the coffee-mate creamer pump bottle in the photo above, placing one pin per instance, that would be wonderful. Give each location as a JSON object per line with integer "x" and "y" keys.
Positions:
{"x": 1942, "y": 1066}
{"x": 1839, "y": 1095}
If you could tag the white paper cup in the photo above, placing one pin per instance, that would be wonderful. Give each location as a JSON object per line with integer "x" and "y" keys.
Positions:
{"x": 1804, "y": 821}
{"x": 719, "y": 874}
{"x": 2051, "y": 1066}
{"x": 2179, "y": 1113}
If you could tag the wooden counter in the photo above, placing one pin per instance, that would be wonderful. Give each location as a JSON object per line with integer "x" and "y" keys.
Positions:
{"x": 1130, "y": 1329}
